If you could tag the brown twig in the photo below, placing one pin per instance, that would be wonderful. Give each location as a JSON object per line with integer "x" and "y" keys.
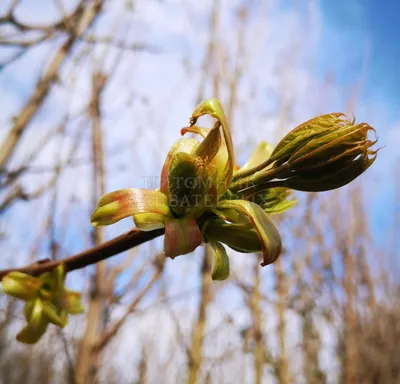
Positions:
{"x": 90, "y": 256}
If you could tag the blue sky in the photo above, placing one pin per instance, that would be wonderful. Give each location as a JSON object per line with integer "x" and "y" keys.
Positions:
{"x": 377, "y": 25}
{"x": 363, "y": 36}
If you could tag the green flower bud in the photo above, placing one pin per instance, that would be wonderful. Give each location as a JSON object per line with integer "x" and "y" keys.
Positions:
{"x": 48, "y": 301}
{"x": 324, "y": 153}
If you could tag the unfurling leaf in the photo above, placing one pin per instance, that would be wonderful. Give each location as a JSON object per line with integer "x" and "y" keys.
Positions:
{"x": 331, "y": 179}
{"x": 117, "y": 205}
{"x": 324, "y": 153}
{"x": 220, "y": 265}
{"x": 266, "y": 230}
{"x": 210, "y": 146}
{"x": 37, "y": 323}
{"x": 21, "y": 286}
{"x": 240, "y": 237}
{"x": 213, "y": 108}
{"x": 274, "y": 200}
{"x": 71, "y": 302}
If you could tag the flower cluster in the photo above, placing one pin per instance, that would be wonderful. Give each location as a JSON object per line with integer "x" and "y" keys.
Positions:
{"x": 204, "y": 197}
{"x": 46, "y": 301}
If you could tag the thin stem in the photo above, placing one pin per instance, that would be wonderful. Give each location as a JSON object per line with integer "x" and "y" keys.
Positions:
{"x": 251, "y": 171}
{"x": 90, "y": 256}
{"x": 260, "y": 177}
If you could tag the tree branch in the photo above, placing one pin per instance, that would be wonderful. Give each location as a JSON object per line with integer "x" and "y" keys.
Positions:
{"x": 87, "y": 16}
{"x": 90, "y": 256}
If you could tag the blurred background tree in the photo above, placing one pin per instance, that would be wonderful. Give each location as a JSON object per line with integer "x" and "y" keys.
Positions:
{"x": 94, "y": 92}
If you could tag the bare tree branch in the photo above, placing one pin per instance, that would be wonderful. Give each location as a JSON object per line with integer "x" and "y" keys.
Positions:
{"x": 101, "y": 252}
{"x": 87, "y": 16}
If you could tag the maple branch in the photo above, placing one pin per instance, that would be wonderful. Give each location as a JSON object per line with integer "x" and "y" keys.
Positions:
{"x": 90, "y": 256}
